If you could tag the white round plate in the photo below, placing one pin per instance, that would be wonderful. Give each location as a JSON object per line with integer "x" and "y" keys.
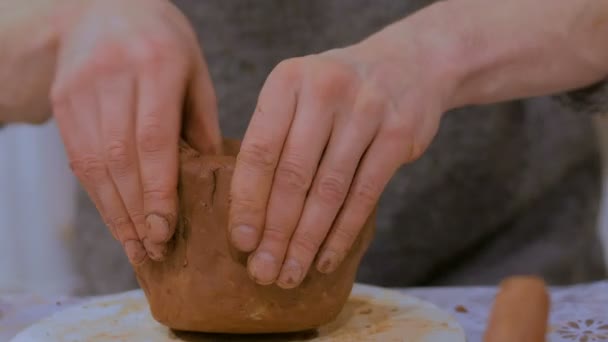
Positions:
{"x": 371, "y": 314}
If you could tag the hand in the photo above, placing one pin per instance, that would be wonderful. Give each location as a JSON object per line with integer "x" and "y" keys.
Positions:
{"x": 126, "y": 72}
{"x": 328, "y": 133}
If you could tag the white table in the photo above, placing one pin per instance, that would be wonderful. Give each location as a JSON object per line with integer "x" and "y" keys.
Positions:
{"x": 579, "y": 313}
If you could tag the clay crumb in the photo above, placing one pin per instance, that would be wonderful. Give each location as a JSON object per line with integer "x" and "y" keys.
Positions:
{"x": 461, "y": 309}
{"x": 58, "y": 303}
{"x": 365, "y": 311}
{"x": 394, "y": 309}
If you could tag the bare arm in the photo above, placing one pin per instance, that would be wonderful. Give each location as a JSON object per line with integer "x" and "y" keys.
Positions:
{"x": 501, "y": 50}
{"x": 28, "y": 44}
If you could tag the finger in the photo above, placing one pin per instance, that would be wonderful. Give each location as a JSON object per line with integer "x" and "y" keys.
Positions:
{"x": 77, "y": 118}
{"x": 117, "y": 215}
{"x": 520, "y": 311}
{"x": 258, "y": 158}
{"x": 160, "y": 94}
{"x": 305, "y": 143}
{"x": 201, "y": 125}
{"x": 347, "y": 145}
{"x": 69, "y": 136}
{"x": 376, "y": 168}
{"x": 117, "y": 117}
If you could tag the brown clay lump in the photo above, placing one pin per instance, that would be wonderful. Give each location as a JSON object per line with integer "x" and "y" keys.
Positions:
{"x": 203, "y": 284}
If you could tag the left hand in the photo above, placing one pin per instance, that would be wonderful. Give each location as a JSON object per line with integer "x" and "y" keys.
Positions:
{"x": 328, "y": 133}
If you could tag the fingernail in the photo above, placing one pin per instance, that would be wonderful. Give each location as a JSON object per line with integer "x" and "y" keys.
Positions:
{"x": 244, "y": 238}
{"x": 156, "y": 251}
{"x": 263, "y": 268}
{"x": 291, "y": 275}
{"x": 135, "y": 251}
{"x": 158, "y": 228}
{"x": 328, "y": 262}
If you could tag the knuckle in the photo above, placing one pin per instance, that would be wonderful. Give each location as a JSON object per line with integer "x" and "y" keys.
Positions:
{"x": 372, "y": 102}
{"x": 158, "y": 193}
{"x": 401, "y": 122}
{"x": 152, "y": 51}
{"x": 290, "y": 175}
{"x": 245, "y": 207}
{"x": 415, "y": 151}
{"x": 307, "y": 243}
{"x": 106, "y": 56}
{"x": 325, "y": 87}
{"x": 331, "y": 82}
{"x": 401, "y": 139}
{"x": 290, "y": 69}
{"x": 88, "y": 167}
{"x": 410, "y": 149}
{"x": 120, "y": 223}
{"x": 151, "y": 137}
{"x": 366, "y": 192}
{"x": 137, "y": 216}
{"x": 343, "y": 238}
{"x": 258, "y": 155}
{"x": 118, "y": 156}
{"x": 332, "y": 188}
{"x": 276, "y": 234}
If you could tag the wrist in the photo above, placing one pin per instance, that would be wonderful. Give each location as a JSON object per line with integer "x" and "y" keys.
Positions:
{"x": 424, "y": 49}
{"x": 516, "y": 49}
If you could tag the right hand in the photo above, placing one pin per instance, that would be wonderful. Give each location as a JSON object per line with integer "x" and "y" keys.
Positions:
{"x": 126, "y": 72}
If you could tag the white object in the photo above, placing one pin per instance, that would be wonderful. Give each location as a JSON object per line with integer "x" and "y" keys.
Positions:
{"x": 371, "y": 314}
{"x": 37, "y": 210}
{"x": 601, "y": 127}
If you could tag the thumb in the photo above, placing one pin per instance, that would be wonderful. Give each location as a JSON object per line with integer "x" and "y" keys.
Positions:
{"x": 201, "y": 127}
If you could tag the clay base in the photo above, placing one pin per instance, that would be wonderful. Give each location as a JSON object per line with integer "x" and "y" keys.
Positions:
{"x": 203, "y": 285}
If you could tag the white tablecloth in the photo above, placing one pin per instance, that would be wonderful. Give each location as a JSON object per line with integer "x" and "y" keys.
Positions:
{"x": 579, "y": 313}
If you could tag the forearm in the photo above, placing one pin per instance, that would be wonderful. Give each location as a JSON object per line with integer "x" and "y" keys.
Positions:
{"x": 501, "y": 50}
{"x": 28, "y": 41}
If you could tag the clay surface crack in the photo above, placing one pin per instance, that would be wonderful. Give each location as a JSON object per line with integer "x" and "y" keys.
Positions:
{"x": 214, "y": 186}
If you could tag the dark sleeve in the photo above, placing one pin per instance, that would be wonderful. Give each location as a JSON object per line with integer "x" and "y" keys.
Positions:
{"x": 589, "y": 100}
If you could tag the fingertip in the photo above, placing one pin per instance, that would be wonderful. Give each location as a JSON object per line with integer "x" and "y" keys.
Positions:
{"x": 328, "y": 262}
{"x": 262, "y": 268}
{"x": 156, "y": 251}
{"x": 159, "y": 228}
{"x": 291, "y": 275}
{"x": 135, "y": 252}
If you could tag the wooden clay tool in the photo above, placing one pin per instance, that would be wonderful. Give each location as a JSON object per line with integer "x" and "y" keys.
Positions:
{"x": 520, "y": 312}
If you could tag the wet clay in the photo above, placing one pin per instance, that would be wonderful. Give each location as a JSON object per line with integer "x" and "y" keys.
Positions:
{"x": 203, "y": 284}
